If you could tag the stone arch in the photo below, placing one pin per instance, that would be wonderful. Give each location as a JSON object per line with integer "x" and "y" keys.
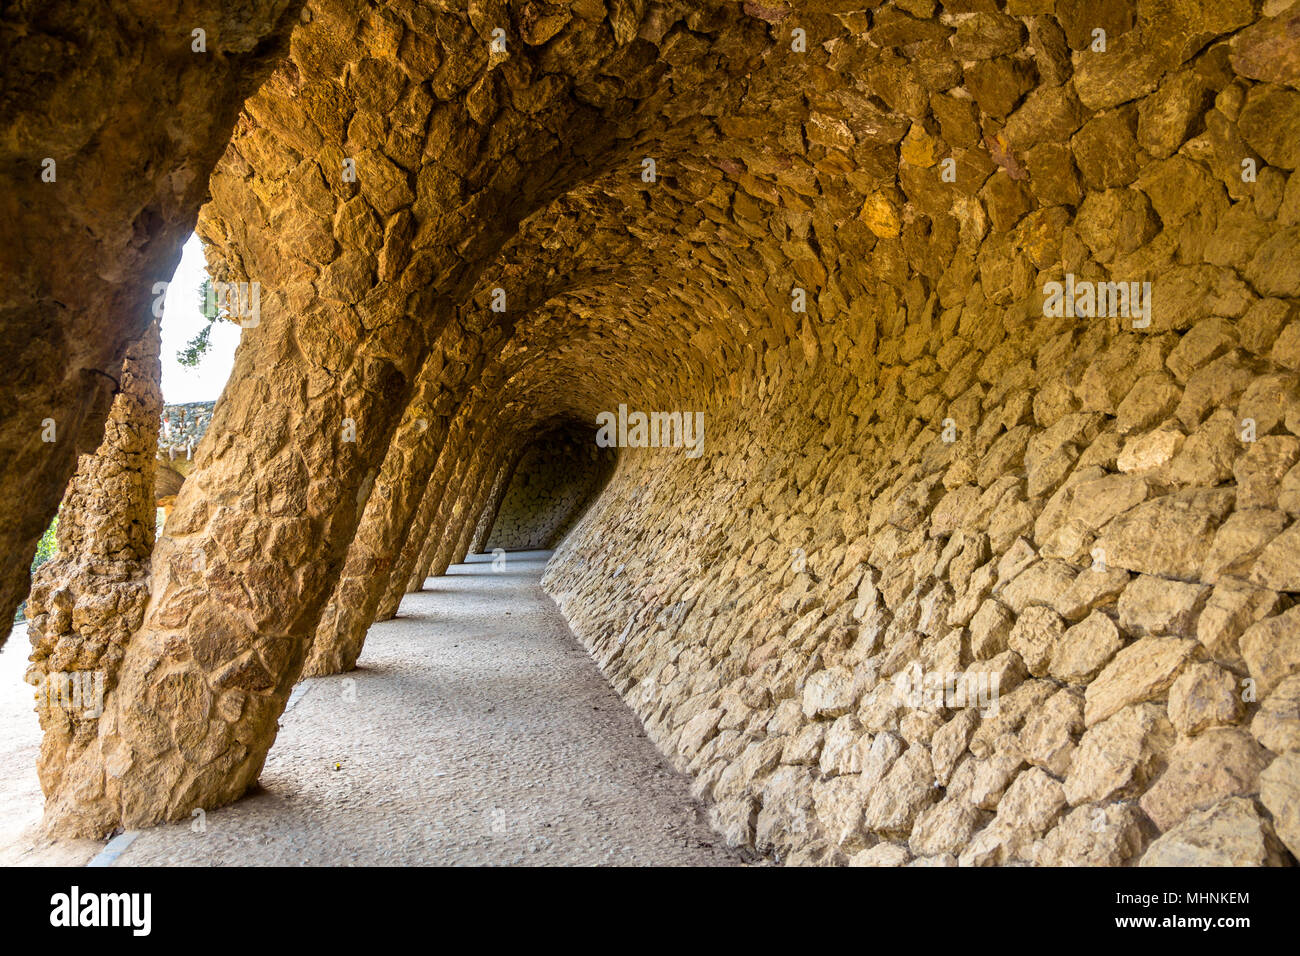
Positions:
{"x": 842, "y": 263}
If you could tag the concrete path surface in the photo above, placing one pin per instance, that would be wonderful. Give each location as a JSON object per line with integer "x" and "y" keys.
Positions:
{"x": 475, "y": 730}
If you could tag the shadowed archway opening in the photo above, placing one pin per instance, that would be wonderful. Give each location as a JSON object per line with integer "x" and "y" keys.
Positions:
{"x": 558, "y": 475}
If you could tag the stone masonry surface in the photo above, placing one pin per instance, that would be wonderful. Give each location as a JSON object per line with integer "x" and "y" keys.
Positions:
{"x": 992, "y": 324}
{"x": 556, "y": 478}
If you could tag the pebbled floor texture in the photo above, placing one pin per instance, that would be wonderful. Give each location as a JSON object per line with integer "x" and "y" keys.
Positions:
{"x": 475, "y": 730}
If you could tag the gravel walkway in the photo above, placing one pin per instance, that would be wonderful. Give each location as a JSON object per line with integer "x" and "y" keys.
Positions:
{"x": 475, "y": 730}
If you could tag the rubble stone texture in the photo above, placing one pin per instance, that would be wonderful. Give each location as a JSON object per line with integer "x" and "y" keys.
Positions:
{"x": 557, "y": 477}
{"x": 841, "y": 256}
{"x": 133, "y": 139}
{"x": 86, "y": 600}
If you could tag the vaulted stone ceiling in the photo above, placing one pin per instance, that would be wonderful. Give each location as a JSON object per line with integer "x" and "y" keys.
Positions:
{"x": 856, "y": 212}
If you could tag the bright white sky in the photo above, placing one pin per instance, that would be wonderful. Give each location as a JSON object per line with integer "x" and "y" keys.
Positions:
{"x": 181, "y": 321}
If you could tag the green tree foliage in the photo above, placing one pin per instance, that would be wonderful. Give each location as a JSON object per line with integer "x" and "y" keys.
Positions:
{"x": 45, "y": 549}
{"x": 197, "y": 347}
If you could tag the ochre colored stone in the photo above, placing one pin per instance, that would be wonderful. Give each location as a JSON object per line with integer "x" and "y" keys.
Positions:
{"x": 1076, "y": 532}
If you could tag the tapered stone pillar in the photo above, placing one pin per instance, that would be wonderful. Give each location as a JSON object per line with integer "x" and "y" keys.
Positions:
{"x": 389, "y": 512}
{"x": 456, "y": 512}
{"x": 86, "y": 601}
{"x": 489, "y": 517}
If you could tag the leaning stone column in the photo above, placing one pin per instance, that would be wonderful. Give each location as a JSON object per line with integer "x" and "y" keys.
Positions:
{"x": 465, "y": 508}
{"x": 457, "y": 486}
{"x": 428, "y": 516}
{"x": 389, "y": 511}
{"x": 463, "y": 474}
{"x": 447, "y": 484}
{"x": 239, "y": 580}
{"x": 86, "y": 601}
{"x": 499, "y": 487}
{"x": 445, "y": 524}
{"x": 412, "y": 546}
{"x": 478, "y": 505}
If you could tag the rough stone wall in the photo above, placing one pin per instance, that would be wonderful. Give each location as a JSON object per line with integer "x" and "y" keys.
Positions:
{"x": 1109, "y": 548}
{"x": 555, "y": 480}
{"x": 842, "y": 259}
{"x": 132, "y": 139}
{"x": 86, "y": 600}
{"x": 1103, "y": 515}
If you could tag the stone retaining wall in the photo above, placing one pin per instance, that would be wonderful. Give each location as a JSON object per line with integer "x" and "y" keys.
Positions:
{"x": 1099, "y": 511}
{"x": 555, "y": 480}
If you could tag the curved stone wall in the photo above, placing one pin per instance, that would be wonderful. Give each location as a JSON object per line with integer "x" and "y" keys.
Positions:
{"x": 949, "y": 475}
{"x": 555, "y": 480}
{"x": 988, "y": 316}
{"x": 1096, "y": 535}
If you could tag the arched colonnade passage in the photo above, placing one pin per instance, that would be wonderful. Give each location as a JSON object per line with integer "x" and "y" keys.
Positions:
{"x": 845, "y": 238}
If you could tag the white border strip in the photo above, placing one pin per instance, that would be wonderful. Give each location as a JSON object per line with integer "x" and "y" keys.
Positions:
{"x": 116, "y": 847}
{"x": 298, "y": 694}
